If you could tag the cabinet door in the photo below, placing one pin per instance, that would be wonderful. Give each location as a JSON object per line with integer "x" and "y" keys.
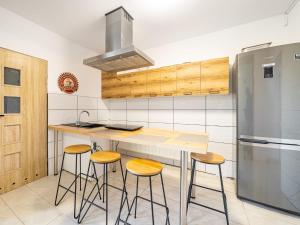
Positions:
{"x": 168, "y": 81}
{"x": 215, "y": 76}
{"x": 154, "y": 83}
{"x": 138, "y": 84}
{"x": 188, "y": 79}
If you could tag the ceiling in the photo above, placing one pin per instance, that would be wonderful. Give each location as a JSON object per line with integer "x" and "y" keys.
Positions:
{"x": 157, "y": 22}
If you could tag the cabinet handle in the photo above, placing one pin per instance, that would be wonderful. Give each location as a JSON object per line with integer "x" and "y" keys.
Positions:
{"x": 214, "y": 91}
{"x": 1, "y": 114}
{"x": 187, "y": 93}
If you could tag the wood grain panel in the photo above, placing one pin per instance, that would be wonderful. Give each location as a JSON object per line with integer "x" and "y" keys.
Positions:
{"x": 168, "y": 81}
{"x": 154, "y": 82}
{"x": 12, "y": 161}
{"x": 2, "y": 180}
{"x": 13, "y": 180}
{"x": 215, "y": 76}
{"x": 175, "y": 80}
{"x": 12, "y": 134}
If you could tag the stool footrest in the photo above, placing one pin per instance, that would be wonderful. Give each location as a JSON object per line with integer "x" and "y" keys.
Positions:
{"x": 124, "y": 222}
{"x": 205, "y": 206}
{"x": 208, "y": 188}
{"x": 157, "y": 203}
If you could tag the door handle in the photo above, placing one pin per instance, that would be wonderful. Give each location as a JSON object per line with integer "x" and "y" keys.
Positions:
{"x": 249, "y": 140}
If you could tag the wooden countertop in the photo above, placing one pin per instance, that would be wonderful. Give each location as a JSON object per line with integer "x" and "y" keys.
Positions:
{"x": 177, "y": 140}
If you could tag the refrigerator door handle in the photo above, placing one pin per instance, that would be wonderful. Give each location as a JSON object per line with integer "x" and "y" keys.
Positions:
{"x": 249, "y": 140}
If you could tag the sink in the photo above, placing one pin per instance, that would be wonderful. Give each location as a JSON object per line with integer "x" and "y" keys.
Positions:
{"x": 85, "y": 125}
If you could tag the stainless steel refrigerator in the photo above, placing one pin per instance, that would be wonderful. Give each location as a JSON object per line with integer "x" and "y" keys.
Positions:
{"x": 268, "y": 126}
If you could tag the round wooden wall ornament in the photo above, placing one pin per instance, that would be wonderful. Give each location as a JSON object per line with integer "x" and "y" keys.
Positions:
{"x": 68, "y": 83}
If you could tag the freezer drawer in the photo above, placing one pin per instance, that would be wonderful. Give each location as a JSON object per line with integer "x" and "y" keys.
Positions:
{"x": 269, "y": 174}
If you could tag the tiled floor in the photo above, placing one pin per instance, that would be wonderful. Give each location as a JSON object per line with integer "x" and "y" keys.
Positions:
{"x": 34, "y": 204}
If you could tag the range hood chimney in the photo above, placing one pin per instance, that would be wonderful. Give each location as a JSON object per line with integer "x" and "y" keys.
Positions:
{"x": 120, "y": 54}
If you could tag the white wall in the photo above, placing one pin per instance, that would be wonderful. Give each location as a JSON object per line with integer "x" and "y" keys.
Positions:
{"x": 19, "y": 34}
{"x": 213, "y": 114}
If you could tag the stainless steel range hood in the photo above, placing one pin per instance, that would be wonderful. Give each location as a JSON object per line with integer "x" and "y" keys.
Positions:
{"x": 120, "y": 53}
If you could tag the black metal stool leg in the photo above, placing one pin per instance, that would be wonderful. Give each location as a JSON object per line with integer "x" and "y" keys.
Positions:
{"x": 61, "y": 169}
{"x": 223, "y": 195}
{"x": 136, "y": 194}
{"x": 80, "y": 172}
{"x": 165, "y": 199}
{"x": 75, "y": 194}
{"x": 151, "y": 197}
{"x": 83, "y": 195}
{"x": 103, "y": 182}
{"x": 97, "y": 181}
{"x": 121, "y": 168}
{"x": 191, "y": 183}
{"x": 122, "y": 203}
{"x": 106, "y": 193}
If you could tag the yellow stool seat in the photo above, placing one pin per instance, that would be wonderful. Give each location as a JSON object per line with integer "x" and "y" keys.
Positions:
{"x": 144, "y": 167}
{"x": 208, "y": 158}
{"x": 105, "y": 157}
{"x": 77, "y": 149}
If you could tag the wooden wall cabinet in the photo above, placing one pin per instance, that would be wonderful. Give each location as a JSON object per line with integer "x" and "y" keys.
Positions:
{"x": 215, "y": 76}
{"x": 197, "y": 78}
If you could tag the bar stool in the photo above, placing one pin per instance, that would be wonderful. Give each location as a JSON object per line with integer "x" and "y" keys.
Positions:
{"x": 105, "y": 158}
{"x": 143, "y": 168}
{"x": 213, "y": 159}
{"x": 76, "y": 150}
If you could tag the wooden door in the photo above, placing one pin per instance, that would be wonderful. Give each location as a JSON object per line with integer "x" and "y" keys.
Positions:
{"x": 13, "y": 100}
{"x": 23, "y": 126}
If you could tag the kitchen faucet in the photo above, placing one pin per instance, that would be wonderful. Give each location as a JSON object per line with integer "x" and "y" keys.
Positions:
{"x": 78, "y": 121}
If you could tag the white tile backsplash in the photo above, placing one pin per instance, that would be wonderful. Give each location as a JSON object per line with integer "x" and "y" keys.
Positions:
{"x": 219, "y": 102}
{"x": 220, "y": 134}
{"x": 62, "y": 116}
{"x": 138, "y": 103}
{"x": 185, "y": 127}
{"x": 219, "y": 117}
{"x": 103, "y": 104}
{"x": 61, "y": 101}
{"x": 137, "y": 115}
{"x": 161, "y": 103}
{"x": 189, "y": 102}
{"x": 93, "y": 117}
{"x": 117, "y": 104}
{"x": 168, "y": 126}
{"x": 189, "y": 117}
{"x": 87, "y": 103}
{"x": 103, "y": 114}
{"x": 161, "y": 116}
{"x": 117, "y": 115}
{"x": 213, "y": 114}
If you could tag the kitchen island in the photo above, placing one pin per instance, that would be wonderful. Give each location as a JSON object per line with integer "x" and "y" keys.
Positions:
{"x": 183, "y": 142}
